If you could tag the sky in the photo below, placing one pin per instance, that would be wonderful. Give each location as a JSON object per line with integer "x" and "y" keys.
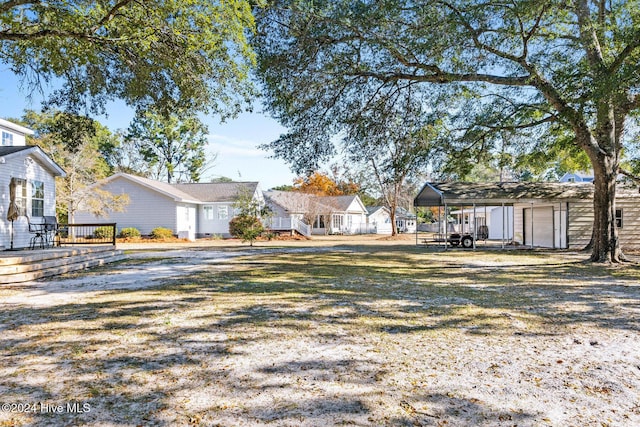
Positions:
{"x": 234, "y": 141}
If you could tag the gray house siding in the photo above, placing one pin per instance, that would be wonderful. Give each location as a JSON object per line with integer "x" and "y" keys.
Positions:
{"x": 146, "y": 210}
{"x": 580, "y": 223}
{"x": 211, "y": 220}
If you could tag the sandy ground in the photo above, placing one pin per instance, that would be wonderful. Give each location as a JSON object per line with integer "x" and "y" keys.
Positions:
{"x": 136, "y": 350}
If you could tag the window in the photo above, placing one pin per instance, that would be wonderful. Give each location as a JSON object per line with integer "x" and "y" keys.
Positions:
{"x": 7, "y": 139}
{"x": 37, "y": 198}
{"x": 21, "y": 195}
{"x": 319, "y": 222}
{"x": 208, "y": 213}
{"x": 337, "y": 222}
{"x": 223, "y": 212}
{"x": 619, "y": 218}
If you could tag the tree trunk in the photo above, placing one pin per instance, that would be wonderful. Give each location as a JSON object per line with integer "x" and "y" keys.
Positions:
{"x": 605, "y": 246}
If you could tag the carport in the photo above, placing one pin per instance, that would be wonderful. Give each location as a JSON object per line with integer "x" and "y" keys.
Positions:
{"x": 534, "y": 214}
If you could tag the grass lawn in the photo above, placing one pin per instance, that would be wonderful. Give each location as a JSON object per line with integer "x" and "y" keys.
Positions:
{"x": 347, "y": 335}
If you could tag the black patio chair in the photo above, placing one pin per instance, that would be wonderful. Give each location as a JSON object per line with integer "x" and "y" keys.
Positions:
{"x": 39, "y": 233}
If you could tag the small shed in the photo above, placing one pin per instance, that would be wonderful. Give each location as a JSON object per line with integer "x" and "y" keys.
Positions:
{"x": 545, "y": 214}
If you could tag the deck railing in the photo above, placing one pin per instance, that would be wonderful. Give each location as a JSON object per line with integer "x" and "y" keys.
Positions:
{"x": 86, "y": 234}
{"x": 284, "y": 223}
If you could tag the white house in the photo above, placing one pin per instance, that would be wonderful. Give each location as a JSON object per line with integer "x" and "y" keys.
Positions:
{"x": 27, "y": 185}
{"x": 379, "y": 220}
{"x": 324, "y": 214}
{"x": 577, "y": 177}
{"x": 405, "y": 221}
{"x": 189, "y": 210}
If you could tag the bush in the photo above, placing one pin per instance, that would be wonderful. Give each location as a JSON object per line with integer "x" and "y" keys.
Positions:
{"x": 129, "y": 232}
{"x": 246, "y": 227}
{"x": 161, "y": 233}
{"x": 103, "y": 232}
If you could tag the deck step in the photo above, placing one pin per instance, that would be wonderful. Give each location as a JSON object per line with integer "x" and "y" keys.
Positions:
{"x": 27, "y": 267}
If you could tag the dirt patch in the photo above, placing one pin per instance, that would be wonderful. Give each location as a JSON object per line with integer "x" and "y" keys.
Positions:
{"x": 336, "y": 335}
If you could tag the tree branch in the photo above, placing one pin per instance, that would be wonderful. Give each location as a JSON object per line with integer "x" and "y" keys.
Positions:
{"x": 629, "y": 174}
{"x": 110, "y": 14}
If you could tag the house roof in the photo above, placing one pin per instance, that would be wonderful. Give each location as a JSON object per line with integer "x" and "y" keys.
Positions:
{"x": 217, "y": 191}
{"x": 373, "y": 209}
{"x": 4, "y": 151}
{"x": 290, "y": 201}
{"x": 466, "y": 193}
{"x": 192, "y": 192}
{"x": 342, "y": 203}
{"x": 297, "y": 202}
{"x": 158, "y": 186}
{"x": 7, "y": 153}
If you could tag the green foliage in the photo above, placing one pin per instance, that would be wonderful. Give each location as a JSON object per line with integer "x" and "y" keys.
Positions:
{"x": 103, "y": 232}
{"x": 173, "y": 144}
{"x": 246, "y": 227}
{"x": 160, "y": 233}
{"x": 77, "y": 144}
{"x": 500, "y": 75}
{"x": 166, "y": 54}
{"x": 129, "y": 232}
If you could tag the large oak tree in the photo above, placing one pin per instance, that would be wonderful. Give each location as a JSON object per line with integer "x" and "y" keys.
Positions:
{"x": 539, "y": 66}
{"x": 189, "y": 54}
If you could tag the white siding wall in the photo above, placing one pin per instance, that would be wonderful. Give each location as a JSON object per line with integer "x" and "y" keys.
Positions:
{"x": 19, "y": 139}
{"x": 31, "y": 171}
{"x": 500, "y": 223}
{"x": 146, "y": 210}
{"x": 217, "y": 225}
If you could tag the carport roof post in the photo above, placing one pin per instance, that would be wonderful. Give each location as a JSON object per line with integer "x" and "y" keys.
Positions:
{"x": 507, "y": 193}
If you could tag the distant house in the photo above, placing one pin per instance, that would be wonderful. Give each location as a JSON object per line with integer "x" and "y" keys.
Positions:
{"x": 379, "y": 220}
{"x": 577, "y": 177}
{"x": 405, "y": 221}
{"x": 189, "y": 210}
{"x": 27, "y": 185}
{"x": 545, "y": 214}
{"x": 323, "y": 214}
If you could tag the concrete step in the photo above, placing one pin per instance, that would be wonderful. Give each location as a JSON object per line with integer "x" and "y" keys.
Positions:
{"x": 55, "y": 262}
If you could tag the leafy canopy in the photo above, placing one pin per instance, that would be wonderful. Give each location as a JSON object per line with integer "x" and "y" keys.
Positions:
{"x": 190, "y": 54}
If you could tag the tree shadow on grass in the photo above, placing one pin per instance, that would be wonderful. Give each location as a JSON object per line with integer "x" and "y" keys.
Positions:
{"x": 94, "y": 346}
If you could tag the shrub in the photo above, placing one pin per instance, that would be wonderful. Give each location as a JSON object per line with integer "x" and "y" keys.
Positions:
{"x": 103, "y": 232}
{"x": 246, "y": 227}
{"x": 161, "y": 233}
{"x": 129, "y": 232}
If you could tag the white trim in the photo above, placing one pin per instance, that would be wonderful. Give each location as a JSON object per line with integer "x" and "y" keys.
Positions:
{"x": 15, "y": 127}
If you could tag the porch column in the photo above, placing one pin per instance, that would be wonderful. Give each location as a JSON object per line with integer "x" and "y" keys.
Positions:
{"x": 504, "y": 224}
{"x": 446, "y": 227}
{"x": 531, "y": 225}
{"x": 475, "y": 227}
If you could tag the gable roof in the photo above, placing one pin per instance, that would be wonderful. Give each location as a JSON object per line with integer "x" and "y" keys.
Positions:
{"x": 7, "y": 153}
{"x": 441, "y": 193}
{"x": 290, "y": 201}
{"x": 212, "y": 192}
{"x": 191, "y": 192}
{"x": 373, "y": 209}
{"x": 343, "y": 203}
{"x": 157, "y": 186}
